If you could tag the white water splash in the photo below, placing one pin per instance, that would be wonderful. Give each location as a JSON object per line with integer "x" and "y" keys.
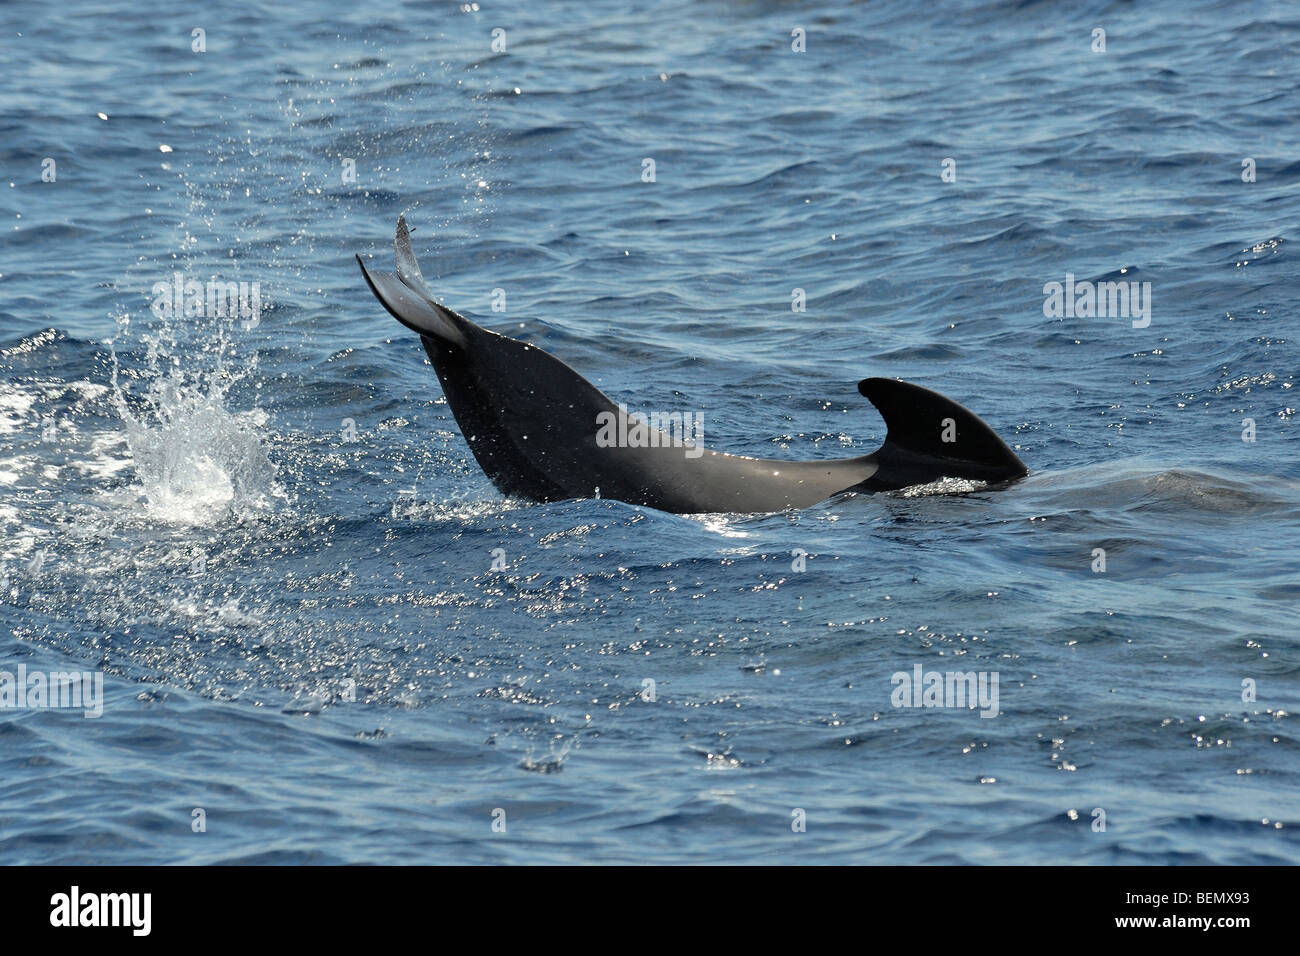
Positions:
{"x": 944, "y": 486}
{"x": 196, "y": 461}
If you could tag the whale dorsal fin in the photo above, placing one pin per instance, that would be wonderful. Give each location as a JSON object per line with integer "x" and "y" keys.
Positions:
{"x": 931, "y": 437}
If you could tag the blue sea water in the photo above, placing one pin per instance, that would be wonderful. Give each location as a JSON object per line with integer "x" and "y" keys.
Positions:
{"x": 272, "y": 539}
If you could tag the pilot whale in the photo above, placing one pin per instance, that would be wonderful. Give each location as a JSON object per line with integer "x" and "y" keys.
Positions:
{"x": 536, "y": 426}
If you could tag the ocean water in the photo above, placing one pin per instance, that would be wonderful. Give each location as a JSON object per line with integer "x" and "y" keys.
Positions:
{"x": 269, "y": 536}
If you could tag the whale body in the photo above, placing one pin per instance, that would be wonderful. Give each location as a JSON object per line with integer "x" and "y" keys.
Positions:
{"x": 541, "y": 431}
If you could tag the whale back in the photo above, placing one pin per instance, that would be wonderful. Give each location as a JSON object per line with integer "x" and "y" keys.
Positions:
{"x": 530, "y": 420}
{"x": 540, "y": 430}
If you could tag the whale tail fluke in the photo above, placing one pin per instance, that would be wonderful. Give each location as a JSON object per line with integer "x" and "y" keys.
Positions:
{"x": 932, "y": 437}
{"x": 409, "y": 300}
{"x": 408, "y": 269}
